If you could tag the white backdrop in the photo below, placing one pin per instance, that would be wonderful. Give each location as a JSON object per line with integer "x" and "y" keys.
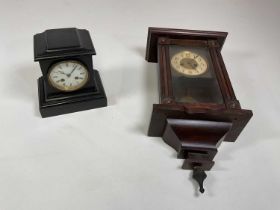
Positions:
{"x": 102, "y": 158}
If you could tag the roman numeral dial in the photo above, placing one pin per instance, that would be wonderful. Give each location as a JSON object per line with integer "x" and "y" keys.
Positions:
{"x": 68, "y": 75}
{"x": 189, "y": 63}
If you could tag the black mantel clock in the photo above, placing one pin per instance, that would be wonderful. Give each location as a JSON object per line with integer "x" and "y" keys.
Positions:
{"x": 197, "y": 108}
{"x": 69, "y": 82}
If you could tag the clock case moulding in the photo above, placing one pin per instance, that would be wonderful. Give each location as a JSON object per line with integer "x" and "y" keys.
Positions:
{"x": 194, "y": 130}
{"x": 55, "y": 45}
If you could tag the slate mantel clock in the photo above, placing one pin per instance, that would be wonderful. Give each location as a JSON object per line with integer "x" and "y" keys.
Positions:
{"x": 197, "y": 107}
{"x": 69, "y": 82}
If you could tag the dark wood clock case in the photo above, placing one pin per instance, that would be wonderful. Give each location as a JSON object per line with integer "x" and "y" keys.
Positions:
{"x": 56, "y": 45}
{"x": 194, "y": 130}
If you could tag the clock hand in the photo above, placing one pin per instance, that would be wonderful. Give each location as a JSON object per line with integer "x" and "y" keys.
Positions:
{"x": 69, "y": 75}
{"x": 193, "y": 65}
{"x": 62, "y": 72}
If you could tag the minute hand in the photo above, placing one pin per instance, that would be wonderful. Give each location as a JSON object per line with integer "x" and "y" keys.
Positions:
{"x": 73, "y": 70}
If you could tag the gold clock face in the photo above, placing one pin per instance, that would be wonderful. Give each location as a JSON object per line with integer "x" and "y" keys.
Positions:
{"x": 68, "y": 75}
{"x": 189, "y": 63}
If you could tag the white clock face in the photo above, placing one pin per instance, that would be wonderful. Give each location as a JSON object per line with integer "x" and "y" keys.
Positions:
{"x": 68, "y": 75}
{"x": 189, "y": 63}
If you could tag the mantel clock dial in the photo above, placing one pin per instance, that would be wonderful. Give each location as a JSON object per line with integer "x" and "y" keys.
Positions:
{"x": 68, "y": 75}
{"x": 189, "y": 63}
{"x": 197, "y": 107}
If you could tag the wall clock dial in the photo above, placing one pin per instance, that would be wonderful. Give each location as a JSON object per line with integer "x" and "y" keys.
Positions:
{"x": 189, "y": 63}
{"x": 68, "y": 75}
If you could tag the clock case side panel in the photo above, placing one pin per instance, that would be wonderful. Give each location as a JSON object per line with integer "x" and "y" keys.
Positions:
{"x": 165, "y": 81}
{"x": 229, "y": 97}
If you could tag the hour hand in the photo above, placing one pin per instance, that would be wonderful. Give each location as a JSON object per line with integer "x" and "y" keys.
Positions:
{"x": 61, "y": 72}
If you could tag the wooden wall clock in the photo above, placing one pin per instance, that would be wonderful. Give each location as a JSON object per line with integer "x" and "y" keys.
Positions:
{"x": 197, "y": 107}
{"x": 69, "y": 82}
